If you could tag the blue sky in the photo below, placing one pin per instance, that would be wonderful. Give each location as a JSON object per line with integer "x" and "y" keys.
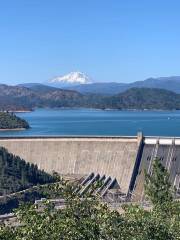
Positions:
{"x": 110, "y": 40}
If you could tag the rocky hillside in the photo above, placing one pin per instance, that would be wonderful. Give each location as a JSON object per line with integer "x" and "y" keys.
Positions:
{"x": 22, "y": 98}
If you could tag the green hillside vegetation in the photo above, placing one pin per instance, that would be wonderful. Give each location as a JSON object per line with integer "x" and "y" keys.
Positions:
{"x": 11, "y": 121}
{"x": 17, "y": 175}
{"x": 18, "y": 97}
{"x": 145, "y": 98}
{"x": 90, "y": 219}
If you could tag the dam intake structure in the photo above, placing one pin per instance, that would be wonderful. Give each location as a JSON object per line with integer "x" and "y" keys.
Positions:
{"x": 118, "y": 161}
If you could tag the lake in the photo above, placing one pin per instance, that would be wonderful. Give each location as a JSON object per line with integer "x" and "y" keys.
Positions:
{"x": 99, "y": 122}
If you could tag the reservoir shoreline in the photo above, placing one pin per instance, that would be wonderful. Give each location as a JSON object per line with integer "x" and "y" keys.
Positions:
{"x": 12, "y": 129}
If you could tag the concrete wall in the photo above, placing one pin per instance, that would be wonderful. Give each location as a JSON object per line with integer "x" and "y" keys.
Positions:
{"x": 111, "y": 156}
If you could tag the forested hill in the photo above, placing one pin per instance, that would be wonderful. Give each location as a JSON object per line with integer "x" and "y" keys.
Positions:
{"x": 23, "y": 98}
{"x": 145, "y": 98}
{"x": 11, "y": 121}
{"x": 17, "y": 175}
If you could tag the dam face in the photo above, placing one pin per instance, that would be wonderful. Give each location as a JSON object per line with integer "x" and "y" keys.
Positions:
{"x": 121, "y": 158}
{"x": 112, "y": 156}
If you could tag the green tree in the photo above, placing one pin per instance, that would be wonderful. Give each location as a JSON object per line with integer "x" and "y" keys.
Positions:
{"x": 157, "y": 185}
{"x": 6, "y": 233}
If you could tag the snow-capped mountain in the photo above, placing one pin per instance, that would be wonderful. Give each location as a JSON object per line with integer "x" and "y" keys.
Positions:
{"x": 73, "y": 78}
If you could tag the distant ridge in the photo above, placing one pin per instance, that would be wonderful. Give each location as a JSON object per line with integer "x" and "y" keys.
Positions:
{"x": 38, "y": 87}
{"x": 111, "y": 88}
{"x": 105, "y": 88}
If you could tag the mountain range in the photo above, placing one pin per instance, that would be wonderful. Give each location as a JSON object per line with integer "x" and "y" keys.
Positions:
{"x": 21, "y": 98}
{"x": 82, "y": 83}
{"x": 66, "y": 92}
{"x": 111, "y": 88}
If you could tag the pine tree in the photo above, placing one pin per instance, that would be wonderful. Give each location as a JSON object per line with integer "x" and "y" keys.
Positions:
{"x": 157, "y": 185}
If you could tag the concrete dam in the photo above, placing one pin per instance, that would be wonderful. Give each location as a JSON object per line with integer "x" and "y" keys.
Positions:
{"x": 122, "y": 158}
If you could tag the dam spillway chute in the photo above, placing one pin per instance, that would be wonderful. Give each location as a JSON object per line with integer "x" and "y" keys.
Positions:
{"x": 104, "y": 187}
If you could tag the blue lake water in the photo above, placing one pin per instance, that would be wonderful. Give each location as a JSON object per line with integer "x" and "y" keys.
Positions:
{"x": 98, "y": 122}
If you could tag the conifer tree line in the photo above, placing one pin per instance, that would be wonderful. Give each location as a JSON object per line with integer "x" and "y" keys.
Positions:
{"x": 17, "y": 175}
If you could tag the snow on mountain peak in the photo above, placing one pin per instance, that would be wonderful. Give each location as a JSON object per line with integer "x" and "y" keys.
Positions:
{"x": 72, "y": 78}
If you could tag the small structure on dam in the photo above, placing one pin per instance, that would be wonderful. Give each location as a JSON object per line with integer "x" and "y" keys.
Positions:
{"x": 117, "y": 161}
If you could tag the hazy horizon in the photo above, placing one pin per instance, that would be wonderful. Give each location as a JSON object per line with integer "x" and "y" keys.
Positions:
{"x": 115, "y": 41}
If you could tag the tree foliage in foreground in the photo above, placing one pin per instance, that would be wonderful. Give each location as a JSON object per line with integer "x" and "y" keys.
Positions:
{"x": 89, "y": 219}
